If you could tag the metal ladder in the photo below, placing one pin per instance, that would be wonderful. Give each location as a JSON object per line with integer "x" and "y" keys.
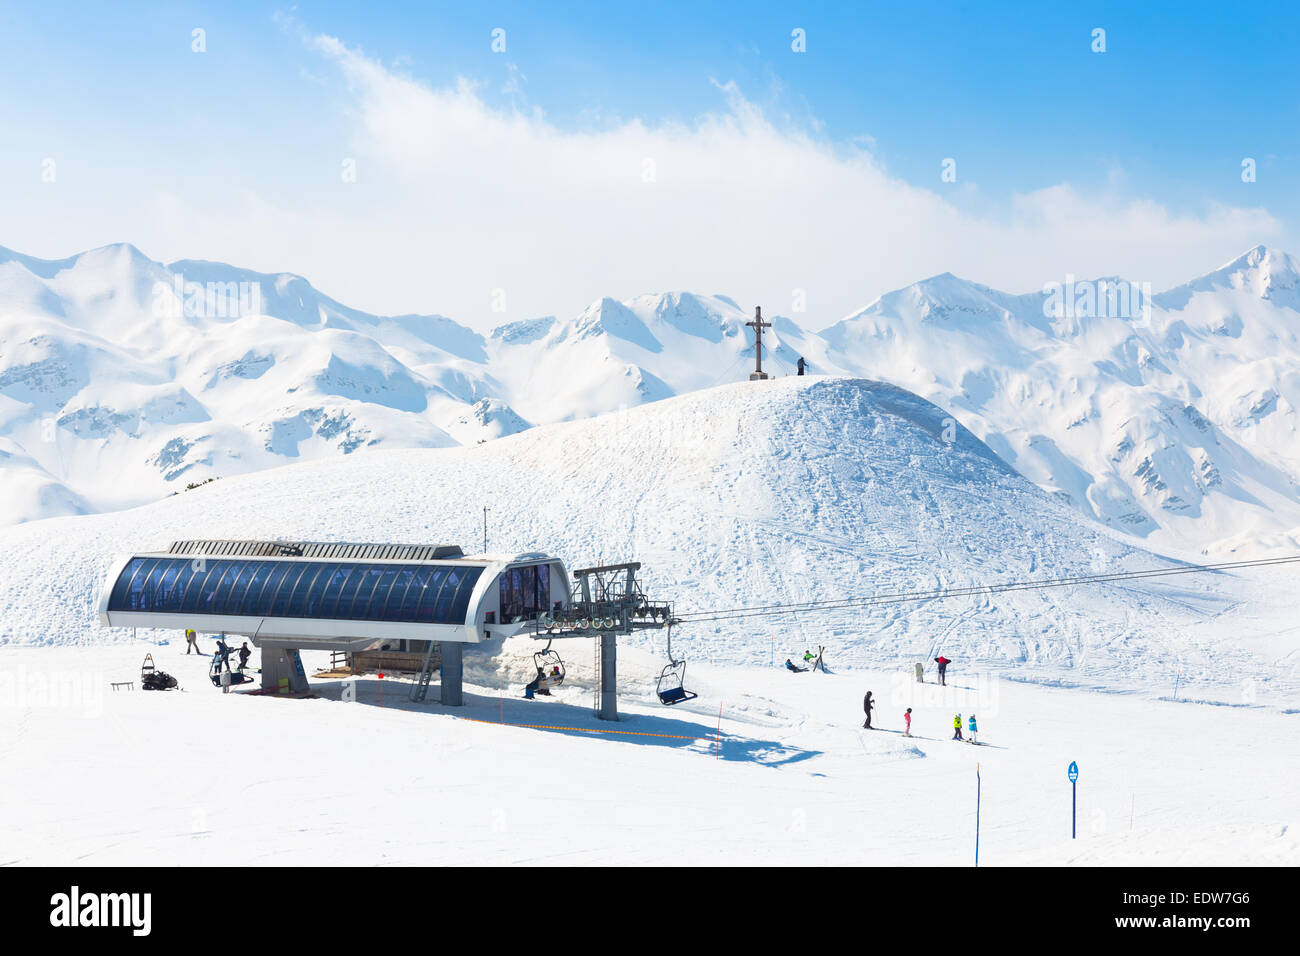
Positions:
{"x": 420, "y": 689}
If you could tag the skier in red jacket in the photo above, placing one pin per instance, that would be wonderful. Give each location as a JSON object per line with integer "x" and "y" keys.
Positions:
{"x": 943, "y": 663}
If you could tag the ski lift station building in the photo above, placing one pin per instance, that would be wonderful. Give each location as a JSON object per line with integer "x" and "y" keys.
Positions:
{"x": 292, "y": 596}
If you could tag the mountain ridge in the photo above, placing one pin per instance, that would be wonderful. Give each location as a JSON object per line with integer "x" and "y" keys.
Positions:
{"x": 1170, "y": 422}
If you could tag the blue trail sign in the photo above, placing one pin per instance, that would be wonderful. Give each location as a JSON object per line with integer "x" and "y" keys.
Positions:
{"x": 1073, "y": 774}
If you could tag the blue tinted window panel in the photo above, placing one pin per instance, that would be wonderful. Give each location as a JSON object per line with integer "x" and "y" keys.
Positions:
{"x": 202, "y": 602}
{"x": 257, "y": 573}
{"x": 447, "y": 596}
{"x": 148, "y": 584}
{"x": 383, "y": 590}
{"x": 117, "y": 597}
{"x": 397, "y": 594}
{"x": 411, "y": 599}
{"x": 369, "y": 578}
{"x": 298, "y": 602}
{"x": 285, "y": 589}
{"x": 348, "y": 592}
{"x": 216, "y": 587}
{"x": 172, "y": 599}
{"x": 312, "y": 605}
{"x": 429, "y": 599}
{"x": 332, "y": 593}
{"x": 135, "y": 597}
{"x": 166, "y": 584}
{"x": 120, "y": 597}
{"x": 238, "y": 588}
{"x": 466, "y": 590}
{"x": 195, "y": 589}
{"x": 266, "y": 596}
{"x": 185, "y": 596}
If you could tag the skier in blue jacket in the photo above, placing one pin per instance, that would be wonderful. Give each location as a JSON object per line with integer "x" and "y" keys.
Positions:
{"x": 973, "y": 729}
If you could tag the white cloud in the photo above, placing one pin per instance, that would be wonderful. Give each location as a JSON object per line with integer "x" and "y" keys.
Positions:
{"x": 456, "y": 197}
{"x": 485, "y": 197}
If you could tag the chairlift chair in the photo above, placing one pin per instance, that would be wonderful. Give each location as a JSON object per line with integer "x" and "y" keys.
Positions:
{"x": 550, "y": 666}
{"x": 671, "y": 683}
{"x": 215, "y": 673}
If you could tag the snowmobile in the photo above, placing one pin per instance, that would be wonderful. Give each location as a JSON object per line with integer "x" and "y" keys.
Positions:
{"x": 153, "y": 679}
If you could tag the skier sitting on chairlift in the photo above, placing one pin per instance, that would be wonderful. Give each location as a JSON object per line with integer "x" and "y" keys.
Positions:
{"x": 540, "y": 684}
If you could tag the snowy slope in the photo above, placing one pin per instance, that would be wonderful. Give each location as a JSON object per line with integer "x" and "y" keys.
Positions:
{"x": 765, "y": 768}
{"x": 776, "y": 492}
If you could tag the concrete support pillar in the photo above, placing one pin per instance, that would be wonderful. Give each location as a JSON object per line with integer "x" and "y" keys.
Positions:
{"x": 451, "y": 674}
{"x": 282, "y": 671}
{"x": 608, "y": 676}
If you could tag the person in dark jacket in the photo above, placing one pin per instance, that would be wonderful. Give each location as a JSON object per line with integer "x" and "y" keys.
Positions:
{"x": 244, "y": 654}
{"x": 867, "y": 704}
{"x": 791, "y": 666}
{"x": 801, "y": 364}
{"x": 943, "y": 663}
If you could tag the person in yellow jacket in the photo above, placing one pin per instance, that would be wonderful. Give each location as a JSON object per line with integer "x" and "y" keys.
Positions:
{"x": 191, "y": 641}
{"x": 956, "y": 727}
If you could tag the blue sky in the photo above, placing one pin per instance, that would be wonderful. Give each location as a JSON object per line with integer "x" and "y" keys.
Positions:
{"x": 235, "y": 153}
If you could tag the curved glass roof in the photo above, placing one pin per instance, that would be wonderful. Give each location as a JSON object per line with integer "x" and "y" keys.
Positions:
{"x": 332, "y": 590}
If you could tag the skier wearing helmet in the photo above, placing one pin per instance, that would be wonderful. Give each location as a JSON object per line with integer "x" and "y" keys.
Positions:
{"x": 956, "y": 727}
{"x": 973, "y": 729}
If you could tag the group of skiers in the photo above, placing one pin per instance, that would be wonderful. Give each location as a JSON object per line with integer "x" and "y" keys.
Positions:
{"x": 543, "y": 682}
{"x": 956, "y": 729}
{"x": 222, "y": 652}
{"x": 809, "y": 659}
{"x": 869, "y": 704}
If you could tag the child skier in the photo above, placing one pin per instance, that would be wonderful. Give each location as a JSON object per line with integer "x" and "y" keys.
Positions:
{"x": 867, "y": 704}
{"x": 907, "y": 723}
{"x": 973, "y": 729}
{"x": 956, "y": 727}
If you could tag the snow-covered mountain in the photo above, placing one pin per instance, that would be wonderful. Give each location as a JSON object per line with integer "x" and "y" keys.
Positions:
{"x": 1170, "y": 417}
